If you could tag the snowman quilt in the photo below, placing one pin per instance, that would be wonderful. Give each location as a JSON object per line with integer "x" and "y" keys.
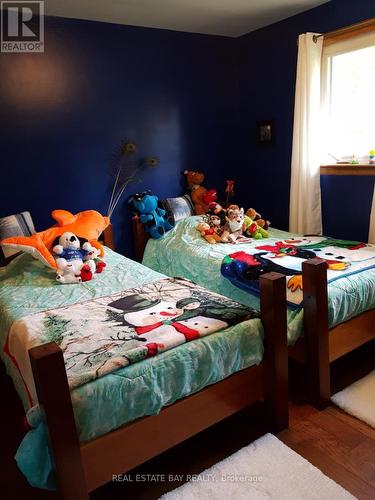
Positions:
{"x": 99, "y": 336}
{"x": 343, "y": 258}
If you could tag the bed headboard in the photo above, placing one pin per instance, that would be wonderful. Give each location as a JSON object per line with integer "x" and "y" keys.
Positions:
{"x": 107, "y": 238}
{"x": 140, "y": 238}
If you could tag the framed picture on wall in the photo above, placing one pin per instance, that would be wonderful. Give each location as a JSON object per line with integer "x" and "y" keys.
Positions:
{"x": 265, "y": 132}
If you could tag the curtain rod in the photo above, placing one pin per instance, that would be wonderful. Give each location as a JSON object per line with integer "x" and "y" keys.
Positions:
{"x": 350, "y": 27}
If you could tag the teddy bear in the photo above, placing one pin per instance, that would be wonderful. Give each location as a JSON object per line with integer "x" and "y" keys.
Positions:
{"x": 253, "y": 214}
{"x": 69, "y": 259}
{"x": 194, "y": 181}
{"x": 209, "y": 233}
{"x": 95, "y": 264}
{"x": 234, "y": 224}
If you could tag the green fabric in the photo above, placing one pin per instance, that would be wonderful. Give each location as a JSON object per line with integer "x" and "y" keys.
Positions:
{"x": 183, "y": 252}
{"x": 26, "y": 286}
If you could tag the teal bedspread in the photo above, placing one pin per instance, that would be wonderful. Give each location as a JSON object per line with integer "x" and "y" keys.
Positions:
{"x": 183, "y": 252}
{"x": 26, "y": 286}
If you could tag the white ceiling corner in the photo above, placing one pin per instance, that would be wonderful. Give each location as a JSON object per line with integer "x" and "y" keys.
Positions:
{"x": 215, "y": 17}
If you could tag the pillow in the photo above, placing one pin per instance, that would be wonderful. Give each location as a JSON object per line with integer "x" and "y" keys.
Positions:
{"x": 14, "y": 225}
{"x": 178, "y": 208}
{"x": 88, "y": 224}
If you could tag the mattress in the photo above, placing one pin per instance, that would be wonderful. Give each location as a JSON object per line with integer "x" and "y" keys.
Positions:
{"x": 26, "y": 287}
{"x": 183, "y": 252}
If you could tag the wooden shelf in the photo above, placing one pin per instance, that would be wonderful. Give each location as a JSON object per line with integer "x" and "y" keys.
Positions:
{"x": 347, "y": 169}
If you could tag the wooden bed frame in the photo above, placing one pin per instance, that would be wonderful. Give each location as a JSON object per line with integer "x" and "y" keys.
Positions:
{"x": 81, "y": 468}
{"x": 320, "y": 345}
{"x": 107, "y": 237}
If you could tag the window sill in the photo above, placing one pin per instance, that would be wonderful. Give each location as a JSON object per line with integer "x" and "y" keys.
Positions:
{"x": 347, "y": 169}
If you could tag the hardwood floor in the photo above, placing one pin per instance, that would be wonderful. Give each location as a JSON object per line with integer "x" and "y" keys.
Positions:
{"x": 338, "y": 444}
{"x": 341, "y": 446}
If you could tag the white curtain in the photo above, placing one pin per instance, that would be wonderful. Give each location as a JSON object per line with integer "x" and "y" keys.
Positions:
{"x": 371, "y": 234}
{"x": 305, "y": 201}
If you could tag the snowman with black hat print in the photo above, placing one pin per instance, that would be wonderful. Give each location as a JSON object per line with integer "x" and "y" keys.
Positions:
{"x": 156, "y": 321}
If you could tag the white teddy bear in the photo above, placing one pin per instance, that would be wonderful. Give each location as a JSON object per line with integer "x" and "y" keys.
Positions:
{"x": 70, "y": 257}
{"x": 91, "y": 257}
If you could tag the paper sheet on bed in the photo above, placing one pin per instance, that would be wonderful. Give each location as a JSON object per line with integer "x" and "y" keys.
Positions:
{"x": 343, "y": 259}
{"x": 99, "y": 336}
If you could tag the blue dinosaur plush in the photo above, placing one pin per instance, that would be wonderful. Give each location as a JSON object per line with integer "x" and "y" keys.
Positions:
{"x": 153, "y": 217}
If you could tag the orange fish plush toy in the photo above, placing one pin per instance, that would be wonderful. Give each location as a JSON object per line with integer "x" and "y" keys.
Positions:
{"x": 88, "y": 224}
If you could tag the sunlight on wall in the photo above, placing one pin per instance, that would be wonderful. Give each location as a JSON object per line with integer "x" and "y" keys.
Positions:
{"x": 37, "y": 81}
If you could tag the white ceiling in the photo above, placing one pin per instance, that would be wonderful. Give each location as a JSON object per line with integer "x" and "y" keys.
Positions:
{"x": 215, "y": 17}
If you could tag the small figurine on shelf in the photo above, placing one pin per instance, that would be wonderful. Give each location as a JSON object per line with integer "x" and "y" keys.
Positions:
{"x": 354, "y": 160}
{"x": 371, "y": 157}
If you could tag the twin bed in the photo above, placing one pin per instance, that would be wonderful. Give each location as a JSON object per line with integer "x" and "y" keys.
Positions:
{"x": 84, "y": 434}
{"x": 334, "y": 320}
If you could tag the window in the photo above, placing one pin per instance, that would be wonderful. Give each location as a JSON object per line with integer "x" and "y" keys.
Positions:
{"x": 348, "y": 98}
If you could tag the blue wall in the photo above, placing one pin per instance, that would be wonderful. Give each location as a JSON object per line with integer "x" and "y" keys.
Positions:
{"x": 193, "y": 100}
{"x": 267, "y": 69}
{"x": 63, "y": 114}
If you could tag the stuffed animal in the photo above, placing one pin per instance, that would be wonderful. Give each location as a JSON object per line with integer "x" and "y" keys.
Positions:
{"x": 67, "y": 275}
{"x": 209, "y": 197}
{"x": 234, "y": 224}
{"x": 69, "y": 258}
{"x": 95, "y": 264}
{"x": 86, "y": 273}
{"x": 153, "y": 217}
{"x": 253, "y": 230}
{"x": 215, "y": 222}
{"x": 215, "y": 218}
{"x": 253, "y": 214}
{"x": 209, "y": 233}
{"x": 217, "y": 210}
{"x": 88, "y": 224}
{"x": 194, "y": 181}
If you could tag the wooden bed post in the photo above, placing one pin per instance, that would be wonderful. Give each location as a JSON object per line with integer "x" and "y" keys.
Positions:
{"x": 52, "y": 388}
{"x": 108, "y": 238}
{"x": 274, "y": 318}
{"x": 315, "y": 311}
{"x": 140, "y": 238}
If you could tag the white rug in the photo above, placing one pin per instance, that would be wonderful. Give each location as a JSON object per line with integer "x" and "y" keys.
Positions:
{"x": 265, "y": 469}
{"x": 359, "y": 399}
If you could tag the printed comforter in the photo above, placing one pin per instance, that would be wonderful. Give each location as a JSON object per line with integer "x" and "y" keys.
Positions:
{"x": 129, "y": 392}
